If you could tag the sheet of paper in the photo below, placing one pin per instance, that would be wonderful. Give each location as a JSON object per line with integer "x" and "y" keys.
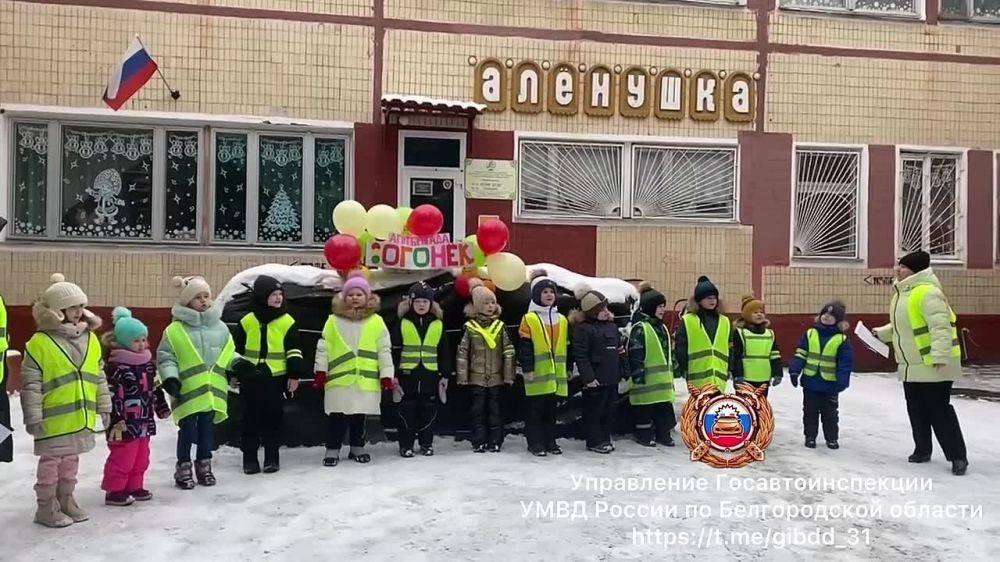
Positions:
{"x": 868, "y": 338}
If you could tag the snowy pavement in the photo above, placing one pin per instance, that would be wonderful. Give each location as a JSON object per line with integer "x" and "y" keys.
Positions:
{"x": 463, "y": 506}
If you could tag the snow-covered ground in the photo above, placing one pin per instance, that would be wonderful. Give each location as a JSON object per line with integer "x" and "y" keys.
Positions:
{"x": 463, "y": 506}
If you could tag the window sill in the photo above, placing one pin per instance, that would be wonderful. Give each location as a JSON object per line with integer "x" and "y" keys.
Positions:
{"x": 969, "y": 21}
{"x": 21, "y": 244}
{"x": 830, "y": 262}
{"x": 804, "y": 10}
{"x": 666, "y": 223}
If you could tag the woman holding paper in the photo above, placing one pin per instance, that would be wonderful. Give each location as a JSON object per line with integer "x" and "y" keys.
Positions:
{"x": 923, "y": 335}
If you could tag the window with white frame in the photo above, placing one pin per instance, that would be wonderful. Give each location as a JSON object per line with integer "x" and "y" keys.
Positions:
{"x": 987, "y": 11}
{"x": 930, "y": 215}
{"x": 596, "y": 180}
{"x": 827, "y": 184}
{"x": 904, "y": 8}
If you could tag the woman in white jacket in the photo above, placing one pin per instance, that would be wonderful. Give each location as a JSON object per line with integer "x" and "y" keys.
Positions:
{"x": 353, "y": 365}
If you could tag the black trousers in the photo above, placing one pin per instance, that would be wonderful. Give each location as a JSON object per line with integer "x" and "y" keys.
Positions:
{"x": 262, "y": 399}
{"x": 487, "y": 423}
{"x": 598, "y": 404}
{"x": 416, "y": 416}
{"x": 818, "y": 406}
{"x": 653, "y": 421}
{"x": 7, "y": 445}
{"x": 341, "y": 424}
{"x": 929, "y": 407}
{"x": 540, "y": 423}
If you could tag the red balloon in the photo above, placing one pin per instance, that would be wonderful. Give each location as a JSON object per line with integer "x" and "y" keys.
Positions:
{"x": 493, "y": 236}
{"x": 462, "y": 286}
{"x": 342, "y": 251}
{"x": 425, "y": 220}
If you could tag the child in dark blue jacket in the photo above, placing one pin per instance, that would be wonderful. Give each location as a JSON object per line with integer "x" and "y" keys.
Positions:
{"x": 825, "y": 361}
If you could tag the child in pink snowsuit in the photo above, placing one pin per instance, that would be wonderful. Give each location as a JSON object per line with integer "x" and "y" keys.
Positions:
{"x": 131, "y": 374}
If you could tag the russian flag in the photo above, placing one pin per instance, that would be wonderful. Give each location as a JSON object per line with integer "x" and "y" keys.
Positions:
{"x": 131, "y": 74}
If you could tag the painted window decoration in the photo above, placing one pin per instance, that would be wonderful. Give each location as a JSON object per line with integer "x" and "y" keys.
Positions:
{"x": 330, "y": 175}
{"x": 279, "y": 200}
{"x": 929, "y": 217}
{"x": 181, "y": 196}
{"x": 826, "y": 203}
{"x": 684, "y": 183}
{"x": 107, "y": 183}
{"x": 977, "y": 10}
{"x": 230, "y": 187}
{"x": 886, "y": 7}
{"x": 568, "y": 179}
{"x": 30, "y": 179}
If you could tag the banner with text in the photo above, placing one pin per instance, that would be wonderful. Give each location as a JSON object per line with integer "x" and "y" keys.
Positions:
{"x": 418, "y": 253}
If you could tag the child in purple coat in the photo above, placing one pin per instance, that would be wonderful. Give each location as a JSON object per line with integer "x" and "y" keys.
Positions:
{"x": 131, "y": 374}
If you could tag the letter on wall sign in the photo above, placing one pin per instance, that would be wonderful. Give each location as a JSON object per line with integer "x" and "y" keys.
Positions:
{"x": 526, "y": 88}
{"x": 670, "y": 90}
{"x": 704, "y": 104}
{"x": 490, "y": 87}
{"x": 634, "y": 100}
{"x": 562, "y": 88}
{"x": 739, "y": 98}
{"x": 599, "y": 92}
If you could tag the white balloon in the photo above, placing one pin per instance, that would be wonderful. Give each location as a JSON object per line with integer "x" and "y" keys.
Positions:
{"x": 349, "y": 217}
{"x": 383, "y": 221}
{"x": 507, "y": 271}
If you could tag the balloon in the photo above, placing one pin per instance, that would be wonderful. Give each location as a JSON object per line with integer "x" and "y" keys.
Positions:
{"x": 479, "y": 258}
{"x": 342, "y": 251}
{"x": 493, "y": 236}
{"x": 507, "y": 271}
{"x": 462, "y": 286}
{"x": 404, "y": 217}
{"x": 425, "y": 220}
{"x": 365, "y": 240}
{"x": 382, "y": 221}
{"x": 349, "y": 217}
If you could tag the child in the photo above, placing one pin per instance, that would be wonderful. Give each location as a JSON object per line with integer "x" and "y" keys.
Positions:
{"x": 7, "y": 444}
{"x": 702, "y": 339}
{"x": 195, "y": 352}
{"x": 352, "y": 358}
{"x": 598, "y": 358}
{"x": 134, "y": 399}
{"x": 651, "y": 371}
{"x": 755, "y": 358}
{"x": 485, "y": 361}
{"x": 267, "y": 339}
{"x": 62, "y": 396}
{"x": 542, "y": 356}
{"x": 825, "y": 360}
{"x": 423, "y": 356}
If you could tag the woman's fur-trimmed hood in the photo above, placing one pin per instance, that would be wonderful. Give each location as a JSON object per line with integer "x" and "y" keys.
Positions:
{"x": 340, "y": 308}
{"x": 47, "y": 319}
{"x": 693, "y": 307}
{"x": 405, "y": 306}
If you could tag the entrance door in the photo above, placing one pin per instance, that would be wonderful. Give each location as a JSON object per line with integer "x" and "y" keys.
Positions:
{"x": 432, "y": 171}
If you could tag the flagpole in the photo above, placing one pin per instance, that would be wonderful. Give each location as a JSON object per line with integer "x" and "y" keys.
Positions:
{"x": 175, "y": 94}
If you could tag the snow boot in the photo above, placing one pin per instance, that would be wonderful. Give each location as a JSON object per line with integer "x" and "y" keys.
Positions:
{"x": 667, "y": 441}
{"x": 359, "y": 455}
{"x": 141, "y": 495}
{"x": 271, "y": 467}
{"x": 810, "y": 442}
{"x": 406, "y": 453}
{"x": 538, "y": 452}
{"x": 481, "y": 448}
{"x": 832, "y": 445}
{"x": 553, "y": 450}
{"x": 48, "y": 513}
{"x": 250, "y": 466}
{"x": 959, "y": 467}
{"x": 427, "y": 451}
{"x": 203, "y": 472}
{"x": 331, "y": 458}
{"x": 650, "y": 443}
{"x": 67, "y": 504}
{"x": 271, "y": 462}
{"x": 494, "y": 448}
{"x": 182, "y": 476}
{"x": 603, "y": 449}
{"x": 915, "y": 458}
{"x": 120, "y": 499}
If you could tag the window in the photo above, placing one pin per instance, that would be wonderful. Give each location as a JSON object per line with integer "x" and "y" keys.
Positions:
{"x": 973, "y": 10}
{"x": 30, "y": 177}
{"x": 929, "y": 217}
{"x": 561, "y": 179}
{"x": 907, "y": 8}
{"x": 826, "y": 203}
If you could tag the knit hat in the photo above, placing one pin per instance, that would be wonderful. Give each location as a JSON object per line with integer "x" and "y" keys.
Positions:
{"x": 420, "y": 290}
{"x": 837, "y": 309}
{"x": 127, "y": 328}
{"x": 62, "y": 294}
{"x": 705, "y": 289}
{"x": 539, "y": 282}
{"x": 750, "y": 306}
{"x": 650, "y": 299}
{"x": 190, "y": 288}
{"x": 916, "y": 261}
{"x": 356, "y": 280}
{"x": 593, "y": 303}
{"x": 482, "y": 296}
{"x": 263, "y": 286}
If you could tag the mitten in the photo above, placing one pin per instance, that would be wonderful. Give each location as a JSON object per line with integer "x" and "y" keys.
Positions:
{"x": 117, "y": 432}
{"x": 776, "y": 380}
{"x": 443, "y": 391}
{"x": 795, "y": 379}
{"x": 172, "y": 386}
{"x": 160, "y": 404}
{"x": 388, "y": 384}
{"x": 319, "y": 381}
{"x": 243, "y": 369}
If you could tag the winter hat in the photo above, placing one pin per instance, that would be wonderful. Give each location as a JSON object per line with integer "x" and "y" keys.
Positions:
{"x": 539, "y": 282}
{"x": 263, "y": 286}
{"x": 127, "y": 328}
{"x": 837, "y": 309}
{"x": 482, "y": 296}
{"x": 593, "y": 303}
{"x": 62, "y": 294}
{"x": 420, "y": 290}
{"x": 750, "y": 306}
{"x": 704, "y": 289}
{"x": 916, "y": 261}
{"x": 356, "y": 280}
{"x": 190, "y": 288}
{"x": 650, "y": 299}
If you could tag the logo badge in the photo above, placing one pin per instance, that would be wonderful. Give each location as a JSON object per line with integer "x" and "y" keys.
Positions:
{"x": 727, "y": 430}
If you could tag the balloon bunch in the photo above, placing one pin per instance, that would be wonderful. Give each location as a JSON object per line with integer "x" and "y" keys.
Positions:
{"x": 358, "y": 227}
{"x": 506, "y": 271}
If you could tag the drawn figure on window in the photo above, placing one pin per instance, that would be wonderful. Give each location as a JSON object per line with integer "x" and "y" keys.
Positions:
{"x": 107, "y": 186}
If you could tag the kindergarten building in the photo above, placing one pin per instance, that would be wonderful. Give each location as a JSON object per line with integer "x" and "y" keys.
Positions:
{"x": 793, "y": 150}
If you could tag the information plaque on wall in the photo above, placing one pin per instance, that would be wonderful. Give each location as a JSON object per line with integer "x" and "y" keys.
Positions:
{"x": 490, "y": 179}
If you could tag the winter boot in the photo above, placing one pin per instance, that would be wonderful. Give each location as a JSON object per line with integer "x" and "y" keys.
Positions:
{"x": 553, "y": 450}
{"x": 667, "y": 441}
{"x": 650, "y": 443}
{"x": 359, "y": 455}
{"x": 182, "y": 476}
{"x": 480, "y": 448}
{"x": 915, "y": 458}
{"x": 603, "y": 449}
{"x": 832, "y": 445}
{"x": 538, "y": 452}
{"x": 406, "y": 453}
{"x": 427, "y": 451}
{"x": 48, "y": 512}
{"x": 67, "y": 504}
{"x": 141, "y": 495}
{"x": 959, "y": 467}
{"x": 332, "y": 457}
{"x": 271, "y": 464}
{"x": 251, "y": 466}
{"x": 203, "y": 472}
{"x": 120, "y": 499}
{"x": 810, "y": 442}
{"x": 495, "y": 448}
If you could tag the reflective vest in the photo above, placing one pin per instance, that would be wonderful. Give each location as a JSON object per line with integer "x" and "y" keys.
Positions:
{"x": 277, "y": 355}
{"x": 658, "y": 386}
{"x": 921, "y": 331}
{"x": 416, "y": 352}
{"x": 203, "y": 388}
{"x": 550, "y": 360}
{"x": 708, "y": 361}
{"x": 490, "y": 335}
{"x": 4, "y": 339}
{"x": 346, "y": 367}
{"x": 758, "y": 352}
{"x": 69, "y": 391}
{"x": 821, "y": 361}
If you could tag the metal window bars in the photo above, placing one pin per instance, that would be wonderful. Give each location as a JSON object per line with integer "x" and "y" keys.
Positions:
{"x": 826, "y": 203}
{"x": 929, "y": 205}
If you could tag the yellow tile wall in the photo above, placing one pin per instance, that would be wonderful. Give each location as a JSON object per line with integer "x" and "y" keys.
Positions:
{"x": 338, "y": 7}
{"x": 672, "y": 258}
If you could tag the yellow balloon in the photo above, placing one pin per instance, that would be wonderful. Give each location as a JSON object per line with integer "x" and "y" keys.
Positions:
{"x": 404, "y": 217}
{"x": 349, "y": 218}
{"x": 383, "y": 221}
{"x": 507, "y": 271}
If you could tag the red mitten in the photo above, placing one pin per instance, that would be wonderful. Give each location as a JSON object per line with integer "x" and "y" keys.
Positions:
{"x": 319, "y": 381}
{"x": 388, "y": 384}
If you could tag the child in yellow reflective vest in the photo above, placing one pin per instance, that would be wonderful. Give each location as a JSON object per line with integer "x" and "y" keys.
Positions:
{"x": 63, "y": 394}
{"x": 702, "y": 340}
{"x": 755, "y": 357}
{"x": 650, "y": 370}
{"x": 7, "y": 444}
